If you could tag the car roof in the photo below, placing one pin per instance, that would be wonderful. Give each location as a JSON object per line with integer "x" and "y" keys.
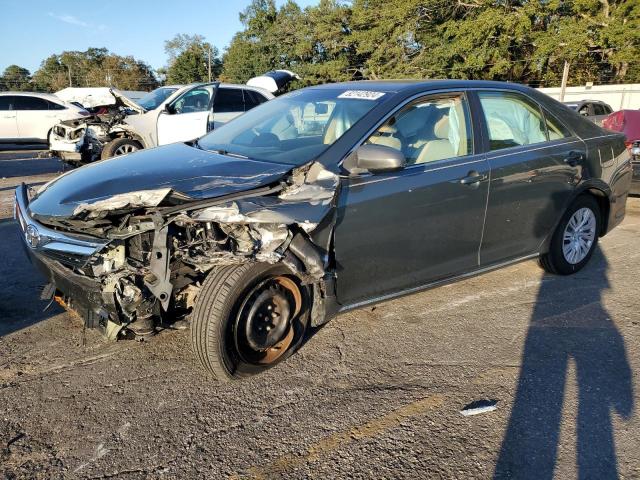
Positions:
{"x": 46, "y": 96}
{"x": 398, "y": 86}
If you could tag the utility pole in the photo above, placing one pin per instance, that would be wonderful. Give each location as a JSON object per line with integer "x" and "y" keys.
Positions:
{"x": 69, "y": 72}
{"x": 565, "y": 78}
{"x": 209, "y": 63}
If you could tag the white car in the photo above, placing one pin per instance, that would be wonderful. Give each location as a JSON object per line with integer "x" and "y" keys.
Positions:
{"x": 27, "y": 117}
{"x": 187, "y": 114}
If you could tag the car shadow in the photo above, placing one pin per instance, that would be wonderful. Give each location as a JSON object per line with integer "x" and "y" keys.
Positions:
{"x": 569, "y": 324}
{"x": 20, "y": 304}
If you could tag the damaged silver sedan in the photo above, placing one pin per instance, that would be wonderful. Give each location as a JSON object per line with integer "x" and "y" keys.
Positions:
{"x": 323, "y": 200}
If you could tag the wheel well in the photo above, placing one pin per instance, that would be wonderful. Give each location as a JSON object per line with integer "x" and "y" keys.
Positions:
{"x": 130, "y": 136}
{"x": 605, "y": 207}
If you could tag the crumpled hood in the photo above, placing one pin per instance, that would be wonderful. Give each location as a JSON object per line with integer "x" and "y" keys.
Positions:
{"x": 188, "y": 170}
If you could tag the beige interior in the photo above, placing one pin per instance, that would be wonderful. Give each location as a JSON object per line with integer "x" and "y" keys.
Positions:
{"x": 440, "y": 148}
{"x": 385, "y": 136}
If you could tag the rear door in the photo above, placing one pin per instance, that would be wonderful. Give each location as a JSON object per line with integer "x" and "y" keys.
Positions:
{"x": 227, "y": 105}
{"x": 399, "y": 230}
{"x": 8, "y": 118}
{"x": 187, "y": 117}
{"x": 34, "y": 118}
{"x": 535, "y": 162}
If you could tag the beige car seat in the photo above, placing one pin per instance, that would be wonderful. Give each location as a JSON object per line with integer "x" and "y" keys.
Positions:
{"x": 440, "y": 148}
{"x": 386, "y": 136}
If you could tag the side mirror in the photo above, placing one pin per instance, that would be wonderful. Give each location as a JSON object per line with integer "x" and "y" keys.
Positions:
{"x": 168, "y": 109}
{"x": 379, "y": 158}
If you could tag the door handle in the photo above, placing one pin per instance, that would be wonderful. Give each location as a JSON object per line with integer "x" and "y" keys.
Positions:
{"x": 472, "y": 178}
{"x": 574, "y": 158}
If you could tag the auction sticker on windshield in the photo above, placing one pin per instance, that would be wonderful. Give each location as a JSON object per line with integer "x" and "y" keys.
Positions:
{"x": 361, "y": 94}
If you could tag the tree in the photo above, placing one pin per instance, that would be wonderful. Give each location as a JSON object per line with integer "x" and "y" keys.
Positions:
{"x": 95, "y": 67}
{"x": 312, "y": 42}
{"x": 15, "y": 78}
{"x": 189, "y": 57}
{"x": 515, "y": 40}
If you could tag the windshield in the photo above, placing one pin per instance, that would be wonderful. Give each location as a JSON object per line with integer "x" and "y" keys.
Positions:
{"x": 153, "y": 99}
{"x": 294, "y": 128}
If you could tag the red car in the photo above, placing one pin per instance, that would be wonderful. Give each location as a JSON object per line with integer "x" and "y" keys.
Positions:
{"x": 628, "y": 122}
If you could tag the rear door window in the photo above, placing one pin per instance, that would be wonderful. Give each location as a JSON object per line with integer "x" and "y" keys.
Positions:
{"x": 556, "y": 130}
{"x": 30, "y": 103}
{"x": 252, "y": 99}
{"x": 228, "y": 100}
{"x": 598, "y": 109}
{"x": 512, "y": 120}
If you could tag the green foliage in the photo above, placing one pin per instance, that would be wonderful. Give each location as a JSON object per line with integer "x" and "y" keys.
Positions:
{"x": 95, "y": 67}
{"x": 15, "y": 78}
{"x": 516, "y": 40}
{"x": 189, "y": 57}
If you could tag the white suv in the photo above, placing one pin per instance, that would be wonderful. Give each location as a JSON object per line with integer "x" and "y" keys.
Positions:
{"x": 29, "y": 117}
{"x": 187, "y": 114}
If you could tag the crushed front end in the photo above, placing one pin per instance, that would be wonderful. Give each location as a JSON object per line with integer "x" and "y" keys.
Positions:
{"x": 134, "y": 262}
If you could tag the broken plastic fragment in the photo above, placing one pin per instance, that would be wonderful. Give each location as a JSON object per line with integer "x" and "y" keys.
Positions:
{"x": 478, "y": 407}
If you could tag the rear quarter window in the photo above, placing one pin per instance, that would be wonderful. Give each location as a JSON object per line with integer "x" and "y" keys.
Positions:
{"x": 55, "y": 106}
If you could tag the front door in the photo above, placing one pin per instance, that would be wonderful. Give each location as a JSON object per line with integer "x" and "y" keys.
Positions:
{"x": 187, "y": 117}
{"x": 400, "y": 230}
{"x": 534, "y": 163}
{"x": 34, "y": 118}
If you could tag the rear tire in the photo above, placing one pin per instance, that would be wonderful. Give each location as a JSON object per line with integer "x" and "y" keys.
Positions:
{"x": 575, "y": 238}
{"x": 119, "y": 147}
{"x": 227, "y": 315}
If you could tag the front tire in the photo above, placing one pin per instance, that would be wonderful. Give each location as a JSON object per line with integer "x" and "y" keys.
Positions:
{"x": 119, "y": 147}
{"x": 575, "y": 238}
{"x": 247, "y": 318}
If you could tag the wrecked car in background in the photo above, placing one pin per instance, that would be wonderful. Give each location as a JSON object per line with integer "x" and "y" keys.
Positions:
{"x": 323, "y": 200}
{"x": 80, "y": 140}
{"x": 166, "y": 115}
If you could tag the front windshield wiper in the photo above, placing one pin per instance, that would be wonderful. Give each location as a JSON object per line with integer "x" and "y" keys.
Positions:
{"x": 227, "y": 153}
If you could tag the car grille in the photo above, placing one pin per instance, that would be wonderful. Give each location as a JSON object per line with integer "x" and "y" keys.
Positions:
{"x": 71, "y": 250}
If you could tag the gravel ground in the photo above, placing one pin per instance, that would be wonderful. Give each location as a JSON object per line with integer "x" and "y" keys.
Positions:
{"x": 377, "y": 393}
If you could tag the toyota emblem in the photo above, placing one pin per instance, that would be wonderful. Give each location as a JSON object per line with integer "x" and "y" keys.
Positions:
{"x": 32, "y": 236}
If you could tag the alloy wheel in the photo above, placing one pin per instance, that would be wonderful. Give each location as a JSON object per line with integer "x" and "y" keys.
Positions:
{"x": 579, "y": 235}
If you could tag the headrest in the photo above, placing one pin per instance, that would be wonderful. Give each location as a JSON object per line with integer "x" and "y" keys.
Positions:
{"x": 441, "y": 128}
{"x": 386, "y": 128}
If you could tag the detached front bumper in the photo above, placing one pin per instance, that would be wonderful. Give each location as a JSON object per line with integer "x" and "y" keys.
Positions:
{"x": 55, "y": 254}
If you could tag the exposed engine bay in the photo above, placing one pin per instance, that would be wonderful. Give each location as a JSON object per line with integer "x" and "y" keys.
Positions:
{"x": 81, "y": 140}
{"x": 161, "y": 244}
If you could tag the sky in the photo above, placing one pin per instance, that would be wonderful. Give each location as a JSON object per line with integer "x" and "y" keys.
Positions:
{"x": 34, "y": 29}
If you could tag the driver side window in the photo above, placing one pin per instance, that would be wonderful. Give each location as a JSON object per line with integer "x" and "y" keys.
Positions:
{"x": 428, "y": 130}
{"x": 196, "y": 100}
